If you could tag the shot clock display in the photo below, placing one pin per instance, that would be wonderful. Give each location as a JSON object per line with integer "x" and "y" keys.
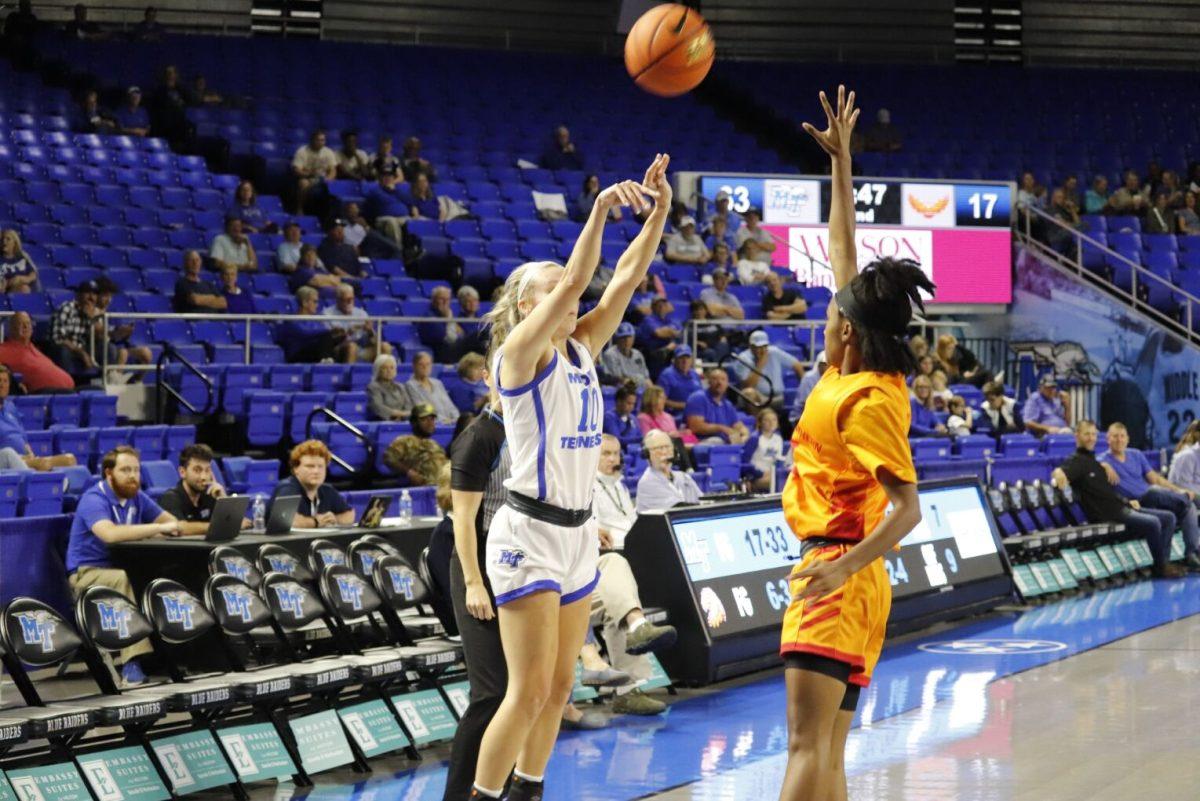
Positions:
{"x": 737, "y": 563}
{"x": 959, "y": 232}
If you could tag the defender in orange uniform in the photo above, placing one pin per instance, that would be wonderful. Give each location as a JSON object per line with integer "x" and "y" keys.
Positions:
{"x": 852, "y": 458}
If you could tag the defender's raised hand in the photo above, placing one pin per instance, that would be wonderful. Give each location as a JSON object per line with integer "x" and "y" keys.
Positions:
{"x": 835, "y": 139}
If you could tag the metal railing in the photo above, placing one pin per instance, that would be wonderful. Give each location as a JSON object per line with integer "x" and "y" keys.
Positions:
{"x": 164, "y": 387}
{"x": 355, "y": 431}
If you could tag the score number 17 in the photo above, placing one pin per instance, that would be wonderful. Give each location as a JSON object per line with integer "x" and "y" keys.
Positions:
{"x": 983, "y": 202}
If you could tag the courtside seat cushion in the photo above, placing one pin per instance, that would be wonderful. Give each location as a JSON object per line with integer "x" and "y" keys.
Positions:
{"x": 380, "y": 663}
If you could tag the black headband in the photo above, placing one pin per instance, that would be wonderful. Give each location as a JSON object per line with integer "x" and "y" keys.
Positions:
{"x": 876, "y": 316}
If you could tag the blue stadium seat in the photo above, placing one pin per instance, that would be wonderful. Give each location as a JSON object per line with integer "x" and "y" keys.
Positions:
{"x": 1021, "y": 468}
{"x": 1019, "y": 445}
{"x": 178, "y": 438}
{"x": 66, "y": 410}
{"x": 158, "y": 476}
{"x": 41, "y": 494}
{"x": 265, "y": 412}
{"x": 10, "y": 493}
{"x": 930, "y": 448}
{"x": 149, "y": 441}
{"x": 975, "y": 446}
{"x": 99, "y": 409}
{"x": 75, "y": 441}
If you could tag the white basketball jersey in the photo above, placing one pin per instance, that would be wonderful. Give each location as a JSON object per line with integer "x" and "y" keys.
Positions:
{"x": 553, "y": 426}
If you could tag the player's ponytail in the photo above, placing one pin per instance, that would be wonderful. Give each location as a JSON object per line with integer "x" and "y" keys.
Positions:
{"x": 505, "y": 314}
{"x": 879, "y": 303}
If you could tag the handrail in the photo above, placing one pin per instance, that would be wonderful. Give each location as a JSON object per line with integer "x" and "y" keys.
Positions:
{"x": 1138, "y": 273}
{"x": 354, "y": 430}
{"x": 160, "y": 384}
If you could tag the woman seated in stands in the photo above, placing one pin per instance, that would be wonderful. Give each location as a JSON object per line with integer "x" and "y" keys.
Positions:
{"x": 17, "y": 271}
{"x": 587, "y": 198}
{"x": 423, "y": 203}
{"x": 654, "y": 416}
{"x": 312, "y": 341}
{"x": 960, "y": 364}
{"x": 310, "y": 272}
{"x": 1185, "y": 463}
{"x": 766, "y": 449}
{"x": 924, "y": 419}
{"x": 386, "y": 399}
{"x": 941, "y": 389}
{"x": 424, "y": 388}
{"x": 1186, "y": 219}
{"x": 245, "y": 207}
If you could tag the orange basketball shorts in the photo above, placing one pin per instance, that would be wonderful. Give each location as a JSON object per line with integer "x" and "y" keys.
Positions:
{"x": 848, "y": 625}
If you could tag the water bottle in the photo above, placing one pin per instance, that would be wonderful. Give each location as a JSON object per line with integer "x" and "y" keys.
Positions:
{"x": 259, "y": 514}
{"x": 406, "y": 508}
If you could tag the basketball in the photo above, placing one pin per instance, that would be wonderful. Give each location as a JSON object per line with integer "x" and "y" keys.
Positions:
{"x": 669, "y": 50}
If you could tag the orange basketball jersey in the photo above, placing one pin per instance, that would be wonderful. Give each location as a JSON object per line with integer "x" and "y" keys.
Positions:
{"x": 853, "y": 426}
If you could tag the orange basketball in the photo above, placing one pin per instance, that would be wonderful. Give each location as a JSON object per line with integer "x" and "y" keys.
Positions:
{"x": 669, "y": 50}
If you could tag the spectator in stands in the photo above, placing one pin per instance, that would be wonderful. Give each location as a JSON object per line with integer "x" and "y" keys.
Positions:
{"x": 1159, "y": 219}
{"x": 1071, "y": 198}
{"x": 661, "y": 486}
{"x": 411, "y": 163}
{"x": 642, "y": 300}
{"x": 338, "y": 256}
{"x": 233, "y": 247}
{"x": 356, "y": 227}
{"x": 424, "y": 388}
{"x": 679, "y": 379}
{"x": 312, "y": 165}
{"x": 780, "y": 303}
{"x": 362, "y": 334}
{"x": 1096, "y": 199}
{"x": 423, "y": 420}
{"x": 385, "y": 161}
{"x": 722, "y": 304}
{"x": 750, "y": 268}
{"x": 960, "y": 364}
{"x": 924, "y": 419}
{"x": 168, "y": 109}
{"x": 12, "y": 433}
{"x": 92, "y": 117}
{"x": 765, "y": 450}
{"x": 417, "y": 456}
{"x": 80, "y": 27}
{"x": 1186, "y": 219}
{"x": 811, "y": 377}
{"x": 193, "y": 499}
{"x": 561, "y": 153}
{"x": 132, "y": 118}
{"x": 468, "y": 309}
{"x": 918, "y": 345}
{"x": 311, "y": 341}
{"x": 657, "y": 333}
{"x": 148, "y": 30}
{"x": 245, "y": 208}
{"x": 711, "y": 416}
{"x": 194, "y": 294}
{"x": 1193, "y": 176}
{"x": 115, "y": 510}
{"x": 685, "y": 246}
{"x": 386, "y": 399}
{"x": 386, "y": 207}
{"x": 721, "y": 259}
{"x": 1027, "y": 192}
{"x": 446, "y": 340}
{"x": 422, "y": 202}
{"x": 18, "y": 274}
{"x": 760, "y": 369}
{"x": 20, "y": 26}
{"x": 712, "y": 339}
{"x": 750, "y": 229}
{"x": 287, "y": 256}
{"x": 1185, "y": 463}
{"x": 1139, "y": 481}
{"x": 121, "y": 350}
{"x": 622, "y": 362}
{"x": 621, "y": 421}
{"x": 718, "y": 231}
{"x": 353, "y": 163}
{"x": 883, "y": 137}
{"x": 320, "y": 504}
{"x": 720, "y": 211}
{"x": 1046, "y": 411}
{"x": 71, "y": 330}
{"x": 198, "y": 94}
{"x": 961, "y": 417}
{"x": 587, "y": 199}
{"x": 237, "y": 300}
{"x": 17, "y": 352}
{"x": 1001, "y": 411}
{"x": 1059, "y": 237}
{"x": 310, "y": 271}
{"x": 941, "y": 389}
{"x": 655, "y": 417}
{"x": 1132, "y": 197}
{"x": 612, "y": 505}
{"x": 1093, "y": 486}
{"x": 471, "y": 393}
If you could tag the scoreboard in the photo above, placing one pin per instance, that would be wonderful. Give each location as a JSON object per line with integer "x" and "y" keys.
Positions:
{"x": 959, "y": 232}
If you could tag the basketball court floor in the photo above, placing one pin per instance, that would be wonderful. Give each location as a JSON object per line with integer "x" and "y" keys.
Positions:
{"x": 1091, "y": 699}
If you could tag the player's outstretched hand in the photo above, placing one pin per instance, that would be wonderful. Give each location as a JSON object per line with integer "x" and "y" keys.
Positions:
{"x": 656, "y": 179}
{"x": 823, "y": 578}
{"x": 626, "y": 193}
{"x": 835, "y": 139}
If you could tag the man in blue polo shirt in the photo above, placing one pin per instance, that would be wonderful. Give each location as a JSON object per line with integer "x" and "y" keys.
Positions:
{"x": 1045, "y": 411}
{"x": 1139, "y": 481}
{"x": 657, "y": 333}
{"x": 115, "y": 510}
{"x": 711, "y": 416}
{"x": 679, "y": 379}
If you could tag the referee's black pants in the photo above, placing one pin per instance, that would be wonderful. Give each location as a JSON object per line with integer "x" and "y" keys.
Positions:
{"x": 488, "y": 675}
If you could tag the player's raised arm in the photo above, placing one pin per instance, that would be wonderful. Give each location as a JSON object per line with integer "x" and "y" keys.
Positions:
{"x": 597, "y": 326}
{"x": 835, "y": 140}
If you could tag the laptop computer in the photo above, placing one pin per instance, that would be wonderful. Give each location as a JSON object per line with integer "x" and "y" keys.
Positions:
{"x": 377, "y": 507}
{"x": 283, "y": 511}
{"x": 226, "y": 520}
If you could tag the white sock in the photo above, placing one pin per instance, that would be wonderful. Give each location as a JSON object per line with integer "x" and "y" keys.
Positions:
{"x": 486, "y": 792}
{"x": 528, "y": 778}
{"x": 637, "y": 624}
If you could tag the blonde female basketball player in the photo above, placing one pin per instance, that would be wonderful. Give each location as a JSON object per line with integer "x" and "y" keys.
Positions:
{"x": 851, "y": 457}
{"x": 543, "y": 547}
